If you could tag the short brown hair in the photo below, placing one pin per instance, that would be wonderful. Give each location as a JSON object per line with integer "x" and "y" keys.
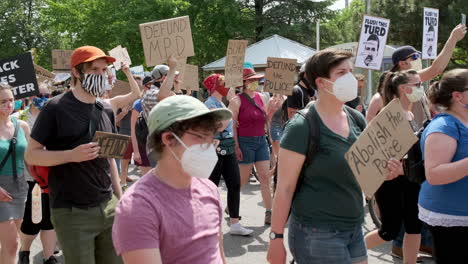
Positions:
{"x": 206, "y": 123}
{"x": 391, "y": 83}
{"x": 440, "y": 92}
{"x": 322, "y": 62}
{"x": 82, "y": 67}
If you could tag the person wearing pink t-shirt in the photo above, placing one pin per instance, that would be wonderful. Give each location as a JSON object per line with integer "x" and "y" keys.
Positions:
{"x": 174, "y": 213}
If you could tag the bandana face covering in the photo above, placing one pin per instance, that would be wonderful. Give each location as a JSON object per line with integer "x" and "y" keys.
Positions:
{"x": 95, "y": 84}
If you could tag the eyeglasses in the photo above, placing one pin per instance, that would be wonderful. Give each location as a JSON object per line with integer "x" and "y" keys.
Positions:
{"x": 414, "y": 56}
{"x": 207, "y": 139}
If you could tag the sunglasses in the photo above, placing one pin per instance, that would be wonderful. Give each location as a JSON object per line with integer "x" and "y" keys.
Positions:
{"x": 413, "y": 56}
{"x": 414, "y": 84}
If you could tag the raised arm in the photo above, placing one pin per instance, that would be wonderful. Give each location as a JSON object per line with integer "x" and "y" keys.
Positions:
{"x": 166, "y": 87}
{"x": 441, "y": 62}
{"x": 126, "y": 99}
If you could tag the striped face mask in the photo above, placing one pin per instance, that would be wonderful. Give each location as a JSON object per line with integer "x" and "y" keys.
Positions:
{"x": 95, "y": 84}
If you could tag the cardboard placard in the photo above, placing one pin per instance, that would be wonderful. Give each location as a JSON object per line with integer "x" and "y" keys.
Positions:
{"x": 279, "y": 75}
{"x": 121, "y": 55}
{"x": 372, "y": 42}
{"x": 389, "y": 135}
{"x": 234, "y": 65}
{"x": 190, "y": 78}
{"x": 164, "y": 38}
{"x": 61, "y": 59}
{"x": 138, "y": 70}
{"x": 430, "y": 33}
{"x": 43, "y": 72}
{"x": 18, "y": 71}
{"x": 120, "y": 88}
{"x": 112, "y": 145}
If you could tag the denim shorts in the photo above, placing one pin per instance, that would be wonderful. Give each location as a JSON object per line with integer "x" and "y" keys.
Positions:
{"x": 311, "y": 245}
{"x": 276, "y": 131}
{"x": 254, "y": 149}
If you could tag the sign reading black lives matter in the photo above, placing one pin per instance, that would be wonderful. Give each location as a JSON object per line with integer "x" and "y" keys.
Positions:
{"x": 430, "y": 33}
{"x": 19, "y": 72}
{"x": 164, "y": 38}
{"x": 389, "y": 135}
{"x": 234, "y": 65}
{"x": 279, "y": 75}
{"x": 372, "y": 42}
{"x": 112, "y": 145}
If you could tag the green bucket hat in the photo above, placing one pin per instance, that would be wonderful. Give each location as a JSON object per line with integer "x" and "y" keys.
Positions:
{"x": 179, "y": 108}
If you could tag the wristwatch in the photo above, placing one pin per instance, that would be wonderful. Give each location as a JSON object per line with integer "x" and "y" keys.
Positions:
{"x": 274, "y": 235}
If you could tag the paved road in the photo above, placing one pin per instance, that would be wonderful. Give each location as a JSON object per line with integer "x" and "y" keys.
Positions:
{"x": 252, "y": 249}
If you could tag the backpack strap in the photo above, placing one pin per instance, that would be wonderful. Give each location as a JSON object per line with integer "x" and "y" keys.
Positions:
{"x": 12, "y": 149}
{"x": 95, "y": 118}
{"x": 355, "y": 115}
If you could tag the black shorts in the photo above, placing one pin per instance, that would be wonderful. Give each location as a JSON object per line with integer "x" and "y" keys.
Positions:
{"x": 28, "y": 227}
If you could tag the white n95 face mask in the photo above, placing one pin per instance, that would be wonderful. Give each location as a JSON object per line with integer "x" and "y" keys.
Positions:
{"x": 416, "y": 65}
{"x": 345, "y": 88}
{"x": 197, "y": 160}
{"x": 416, "y": 94}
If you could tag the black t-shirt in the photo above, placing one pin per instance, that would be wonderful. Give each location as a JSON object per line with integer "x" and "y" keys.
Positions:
{"x": 64, "y": 124}
{"x": 299, "y": 98}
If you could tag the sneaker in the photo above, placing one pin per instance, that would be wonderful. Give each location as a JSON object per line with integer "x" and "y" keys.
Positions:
{"x": 23, "y": 257}
{"x": 238, "y": 230}
{"x": 268, "y": 218}
{"x": 51, "y": 260}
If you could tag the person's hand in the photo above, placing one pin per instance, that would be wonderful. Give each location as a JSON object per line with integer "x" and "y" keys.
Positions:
{"x": 276, "y": 252}
{"x": 276, "y": 103}
{"x": 458, "y": 33}
{"x": 126, "y": 109}
{"x": 5, "y": 196}
{"x": 395, "y": 169}
{"x": 359, "y": 108}
{"x": 125, "y": 68}
{"x": 85, "y": 152}
{"x": 239, "y": 153}
{"x": 172, "y": 62}
{"x": 136, "y": 156}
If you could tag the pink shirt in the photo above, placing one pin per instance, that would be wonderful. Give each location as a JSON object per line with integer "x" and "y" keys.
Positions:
{"x": 183, "y": 223}
{"x": 251, "y": 120}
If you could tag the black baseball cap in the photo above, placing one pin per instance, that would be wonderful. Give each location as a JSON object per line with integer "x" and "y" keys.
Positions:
{"x": 402, "y": 53}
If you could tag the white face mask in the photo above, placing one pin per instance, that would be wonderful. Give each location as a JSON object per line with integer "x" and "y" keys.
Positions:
{"x": 197, "y": 160}
{"x": 416, "y": 65}
{"x": 345, "y": 88}
{"x": 416, "y": 94}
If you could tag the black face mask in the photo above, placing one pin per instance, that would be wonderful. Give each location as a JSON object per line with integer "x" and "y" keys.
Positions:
{"x": 157, "y": 84}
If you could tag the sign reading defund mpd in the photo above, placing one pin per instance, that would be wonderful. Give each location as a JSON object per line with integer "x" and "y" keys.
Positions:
{"x": 19, "y": 72}
{"x": 279, "y": 75}
{"x": 389, "y": 135}
{"x": 164, "y": 38}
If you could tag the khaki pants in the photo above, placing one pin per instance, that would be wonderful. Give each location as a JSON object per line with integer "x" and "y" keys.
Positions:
{"x": 85, "y": 235}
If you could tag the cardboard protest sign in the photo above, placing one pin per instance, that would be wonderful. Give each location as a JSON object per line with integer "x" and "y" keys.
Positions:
{"x": 190, "y": 78}
{"x": 121, "y": 55}
{"x": 112, "y": 145}
{"x": 181, "y": 62}
{"x": 120, "y": 88}
{"x": 430, "y": 33}
{"x": 18, "y": 71}
{"x": 234, "y": 65}
{"x": 61, "y": 59}
{"x": 389, "y": 135}
{"x": 164, "y": 38}
{"x": 138, "y": 70}
{"x": 374, "y": 32}
{"x": 43, "y": 75}
{"x": 279, "y": 75}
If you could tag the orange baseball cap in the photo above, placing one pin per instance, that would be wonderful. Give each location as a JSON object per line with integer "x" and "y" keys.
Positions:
{"x": 87, "y": 54}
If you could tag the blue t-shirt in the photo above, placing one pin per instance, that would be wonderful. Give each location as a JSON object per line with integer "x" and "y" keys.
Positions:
{"x": 449, "y": 198}
{"x": 213, "y": 103}
{"x": 137, "y": 105}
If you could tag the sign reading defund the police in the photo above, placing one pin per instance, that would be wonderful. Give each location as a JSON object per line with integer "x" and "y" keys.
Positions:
{"x": 164, "y": 38}
{"x": 389, "y": 135}
{"x": 112, "y": 145}
{"x": 279, "y": 75}
{"x": 19, "y": 72}
{"x": 372, "y": 42}
{"x": 430, "y": 32}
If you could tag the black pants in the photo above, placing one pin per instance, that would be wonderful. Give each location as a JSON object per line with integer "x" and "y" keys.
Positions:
{"x": 398, "y": 204}
{"x": 27, "y": 226}
{"x": 450, "y": 244}
{"x": 228, "y": 167}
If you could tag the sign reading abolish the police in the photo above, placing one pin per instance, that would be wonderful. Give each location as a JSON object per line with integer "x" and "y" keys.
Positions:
{"x": 279, "y": 75}
{"x": 389, "y": 135}
{"x": 61, "y": 59}
{"x": 112, "y": 145}
{"x": 430, "y": 33}
{"x": 164, "y": 38}
{"x": 233, "y": 67}
{"x": 372, "y": 42}
{"x": 19, "y": 72}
